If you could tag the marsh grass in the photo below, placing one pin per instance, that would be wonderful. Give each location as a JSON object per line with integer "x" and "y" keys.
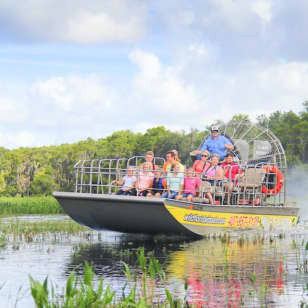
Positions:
{"x": 29, "y": 205}
{"x": 18, "y": 230}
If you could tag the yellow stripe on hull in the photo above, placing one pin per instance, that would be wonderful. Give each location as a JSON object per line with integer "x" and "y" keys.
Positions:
{"x": 191, "y": 217}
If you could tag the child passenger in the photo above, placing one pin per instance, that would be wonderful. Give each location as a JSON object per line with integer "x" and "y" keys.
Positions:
{"x": 144, "y": 180}
{"x": 128, "y": 183}
{"x": 157, "y": 185}
{"x": 191, "y": 185}
{"x": 175, "y": 182}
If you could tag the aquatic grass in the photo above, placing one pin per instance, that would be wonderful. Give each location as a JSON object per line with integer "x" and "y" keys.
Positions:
{"x": 19, "y": 230}
{"x": 86, "y": 292}
{"x": 29, "y": 205}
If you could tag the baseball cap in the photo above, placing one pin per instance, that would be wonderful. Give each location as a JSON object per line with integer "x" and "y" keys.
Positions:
{"x": 214, "y": 129}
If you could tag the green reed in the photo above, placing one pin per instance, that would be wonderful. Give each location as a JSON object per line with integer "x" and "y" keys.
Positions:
{"x": 86, "y": 292}
{"x": 29, "y": 205}
{"x": 19, "y": 230}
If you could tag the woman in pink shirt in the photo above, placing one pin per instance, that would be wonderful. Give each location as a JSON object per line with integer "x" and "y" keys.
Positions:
{"x": 200, "y": 165}
{"x": 191, "y": 185}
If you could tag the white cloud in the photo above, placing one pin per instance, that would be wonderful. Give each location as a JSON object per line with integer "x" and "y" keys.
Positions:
{"x": 190, "y": 92}
{"x": 20, "y": 139}
{"x": 73, "y": 20}
{"x": 73, "y": 93}
{"x": 263, "y": 8}
{"x": 12, "y": 111}
{"x": 162, "y": 89}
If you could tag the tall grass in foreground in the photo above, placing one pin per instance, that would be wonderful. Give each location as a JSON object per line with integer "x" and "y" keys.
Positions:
{"x": 29, "y": 205}
{"x": 83, "y": 292}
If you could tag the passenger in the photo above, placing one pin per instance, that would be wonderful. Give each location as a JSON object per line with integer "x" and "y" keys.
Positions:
{"x": 191, "y": 185}
{"x": 215, "y": 144}
{"x": 172, "y": 158}
{"x": 157, "y": 185}
{"x": 128, "y": 183}
{"x": 177, "y": 159}
{"x": 232, "y": 172}
{"x": 175, "y": 182}
{"x": 149, "y": 155}
{"x": 176, "y": 153}
{"x": 144, "y": 179}
{"x": 212, "y": 177}
{"x": 200, "y": 164}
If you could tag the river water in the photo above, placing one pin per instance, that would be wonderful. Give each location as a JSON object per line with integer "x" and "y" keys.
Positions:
{"x": 249, "y": 269}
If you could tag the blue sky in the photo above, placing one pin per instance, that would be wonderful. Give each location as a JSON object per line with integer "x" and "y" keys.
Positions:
{"x": 85, "y": 69}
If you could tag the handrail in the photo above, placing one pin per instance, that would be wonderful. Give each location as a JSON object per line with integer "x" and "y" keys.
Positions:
{"x": 98, "y": 176}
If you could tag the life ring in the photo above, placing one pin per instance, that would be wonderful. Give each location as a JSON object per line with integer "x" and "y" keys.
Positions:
{"x": 277, "y": 184}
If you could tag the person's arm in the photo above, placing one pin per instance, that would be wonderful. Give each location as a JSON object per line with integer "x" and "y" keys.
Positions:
{"x": 198, "y": 187}
{"x": 168, "y": 182}
{"x": 195, "y": 152}
{"x": 181, "y": 189}
{"x": 194, "y": 165}
{"x": 228, "y": 144}
{"x": 219, "y": 174}
{"x": 150, "y": 183}
{"x": 229, "y": 147}
{"x": 119, "y": 182}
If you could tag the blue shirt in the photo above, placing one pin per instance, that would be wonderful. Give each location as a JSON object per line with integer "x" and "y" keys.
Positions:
{"x": 175, "y": 182}
{"x": 216, "y": 146}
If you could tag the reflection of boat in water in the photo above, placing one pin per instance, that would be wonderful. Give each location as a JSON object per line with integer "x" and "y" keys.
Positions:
{"x": 258, "y": 199}
{"x": 216, "y": 271}
{"x": 222, "y": 274}
{"x": 106, "y": 255}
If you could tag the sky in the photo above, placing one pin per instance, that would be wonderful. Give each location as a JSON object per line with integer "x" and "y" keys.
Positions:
{"x": 75, "y": 69}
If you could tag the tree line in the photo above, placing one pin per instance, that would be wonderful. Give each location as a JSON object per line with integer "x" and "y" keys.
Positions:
{"x": 41, "y": 170}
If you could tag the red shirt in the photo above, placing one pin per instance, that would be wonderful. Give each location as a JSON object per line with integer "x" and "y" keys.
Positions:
{"x": 231, "y": 169}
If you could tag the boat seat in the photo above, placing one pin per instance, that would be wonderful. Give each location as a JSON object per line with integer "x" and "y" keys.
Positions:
{"x": 252, "y": 179}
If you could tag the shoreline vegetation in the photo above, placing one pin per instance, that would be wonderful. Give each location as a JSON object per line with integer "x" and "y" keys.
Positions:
{"x": 41, "y": 170}
{"x": 43, "y": 205}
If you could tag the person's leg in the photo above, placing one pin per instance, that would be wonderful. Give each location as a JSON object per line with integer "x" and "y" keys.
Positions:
{"x": 132, "y": 192}
{"x": 144, "y": 193}
{"x": 178, "y": 197}
{"x": 229, "y": 188}
{"x": 173, "y": 194}
{"x": 120, "y": 192}
{"x": 157, "y": 195}
{"x": 165, "y": 194}
{"x": 189, "y": 197}
{"x": 209, "y": 196}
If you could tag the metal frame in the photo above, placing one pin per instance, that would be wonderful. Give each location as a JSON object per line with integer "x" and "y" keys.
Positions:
{"x": 96, "y": 176}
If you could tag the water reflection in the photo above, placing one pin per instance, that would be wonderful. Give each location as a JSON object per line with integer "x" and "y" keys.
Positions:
{"x": 106, "y": 255}
{"x": 221, "y": 272}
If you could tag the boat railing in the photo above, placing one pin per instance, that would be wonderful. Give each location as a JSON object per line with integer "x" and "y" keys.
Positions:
{"x": 261, "y": 184}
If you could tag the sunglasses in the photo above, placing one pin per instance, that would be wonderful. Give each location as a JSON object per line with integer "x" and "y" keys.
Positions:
{"x": 203, "y": 155}
{"x": 214, "y": 131}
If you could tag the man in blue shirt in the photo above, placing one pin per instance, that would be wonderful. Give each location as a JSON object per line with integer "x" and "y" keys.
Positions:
{"x": 215, "y": 144}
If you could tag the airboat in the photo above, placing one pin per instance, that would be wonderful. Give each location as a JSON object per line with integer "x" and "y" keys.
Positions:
{"x": 258, "y": 200}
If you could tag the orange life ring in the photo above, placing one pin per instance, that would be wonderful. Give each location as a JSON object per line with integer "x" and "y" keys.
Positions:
{"x": 279, "y": 181}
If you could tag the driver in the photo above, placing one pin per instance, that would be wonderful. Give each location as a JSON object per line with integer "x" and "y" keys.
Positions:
{"x": 215, "y": 144}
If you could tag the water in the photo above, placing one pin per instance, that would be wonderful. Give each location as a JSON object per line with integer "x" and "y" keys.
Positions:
{"x": 251, "y": 268}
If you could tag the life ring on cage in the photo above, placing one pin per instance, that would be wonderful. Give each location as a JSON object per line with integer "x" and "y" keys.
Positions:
{"x": 277, "y": 184}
